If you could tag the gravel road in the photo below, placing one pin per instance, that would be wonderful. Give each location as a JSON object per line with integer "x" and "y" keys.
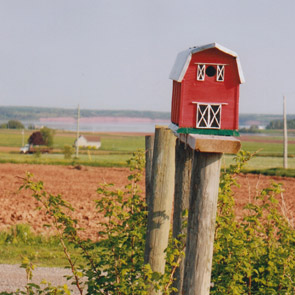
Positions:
{"x": 12, "y": 277}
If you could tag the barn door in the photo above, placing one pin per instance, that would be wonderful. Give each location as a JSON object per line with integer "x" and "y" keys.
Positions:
{"x": 208, "y": 116}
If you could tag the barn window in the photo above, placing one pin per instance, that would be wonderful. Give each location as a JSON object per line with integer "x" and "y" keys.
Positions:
{"x": 201, "y": 73}
{"x": 209, "y": 116}
{"x": 220, "y": 73}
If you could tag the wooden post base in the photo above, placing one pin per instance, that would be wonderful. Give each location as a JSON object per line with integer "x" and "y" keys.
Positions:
{"x": 201, "y": 223}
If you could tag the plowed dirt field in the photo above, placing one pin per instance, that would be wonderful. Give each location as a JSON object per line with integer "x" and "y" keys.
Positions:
{"x": 78, "y": 186}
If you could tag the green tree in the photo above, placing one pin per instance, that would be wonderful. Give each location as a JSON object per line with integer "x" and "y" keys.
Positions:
{"x": 12, "y": 124}
{"x": 279, "y": 124}
{"x": 47, "y": 135}
{"x": 68, "y": 151}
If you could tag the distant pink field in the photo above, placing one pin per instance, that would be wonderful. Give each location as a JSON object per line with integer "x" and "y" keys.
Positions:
{"x": 102, "y": 120}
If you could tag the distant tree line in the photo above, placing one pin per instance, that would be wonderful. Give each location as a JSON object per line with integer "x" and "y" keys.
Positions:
{"x": 279, "y": 124}
{"x": 12, "y": 124}
{"x": 251, "y": 129}
{"x": 35, "y": 113}
{"x": 15, "y": 124}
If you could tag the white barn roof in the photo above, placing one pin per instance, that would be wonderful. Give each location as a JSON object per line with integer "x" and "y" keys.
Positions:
{"x": 183, "y": 59}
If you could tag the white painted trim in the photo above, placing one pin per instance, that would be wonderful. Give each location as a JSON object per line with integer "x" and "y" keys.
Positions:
{"x": 208, "y": 121}
{"x": 220, "y": 72}
{"x": 183, "y": 59}
{"x": 222, "y": 103}
{"x": 210, "y": 63}
{"x": 201, "y": 72}
{"x": 180, "y": 66}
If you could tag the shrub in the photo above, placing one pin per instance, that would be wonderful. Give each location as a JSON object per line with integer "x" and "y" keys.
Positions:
{"x": 115, "y": 263}
{"x": 254, "y": 254}
{"x": 68, "y": 152}
{"x": 47, "y": 135}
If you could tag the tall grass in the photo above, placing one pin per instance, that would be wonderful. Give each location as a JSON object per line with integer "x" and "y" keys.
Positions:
{"x": 19, "y": 241}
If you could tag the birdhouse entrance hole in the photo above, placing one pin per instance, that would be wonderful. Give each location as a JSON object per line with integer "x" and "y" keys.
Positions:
{"x": 210, "y": 71}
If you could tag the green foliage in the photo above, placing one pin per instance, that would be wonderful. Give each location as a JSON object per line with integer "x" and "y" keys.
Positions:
{"x": 119, "y": 252}
{"x": 19, "y": 234}
{"x": 254, "y": 254}
{"x": 117, "y": 149}
{"x": 115, "y": 263}
{"x": 31, "y": 127}
{"x": 38, "y": 153}
{"x": 279, "y": 124}
{"x": 19, "y": 241}
{"x": 274, "y": 172}
{"x": 35, "y": 113}
{"x": 251, "y": 129}
{"x": 12, "y": 124}
{"x": 47, "y": 135}
{"x": 68, "y": 151}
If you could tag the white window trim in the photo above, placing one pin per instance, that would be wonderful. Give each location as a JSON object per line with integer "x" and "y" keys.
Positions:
{"x": 201, "y": 72}
{"x": 220, "y": 73}
{"x": 208, "y": 121}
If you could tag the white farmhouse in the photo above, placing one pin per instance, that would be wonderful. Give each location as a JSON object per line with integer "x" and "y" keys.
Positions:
{"x": 88, "y": 141}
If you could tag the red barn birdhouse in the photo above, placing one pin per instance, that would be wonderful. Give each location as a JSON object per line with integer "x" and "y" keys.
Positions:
{"x": 205, "y": 98}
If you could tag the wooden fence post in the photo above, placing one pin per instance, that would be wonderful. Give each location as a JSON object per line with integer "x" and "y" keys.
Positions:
{"x": 183, "y": 165}
{"x": 201, "y": 223}
{"x": 149, "y": 148}
{"x": 159, "y": 217}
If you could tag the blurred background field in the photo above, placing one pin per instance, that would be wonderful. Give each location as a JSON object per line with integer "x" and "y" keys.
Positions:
{"x": 116, "y": 149}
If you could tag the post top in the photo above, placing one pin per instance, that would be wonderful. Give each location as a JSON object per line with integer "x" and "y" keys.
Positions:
{"x": 211, "y": 143}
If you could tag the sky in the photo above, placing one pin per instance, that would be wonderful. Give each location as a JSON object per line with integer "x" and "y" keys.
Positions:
{"x": 118, "y": 54}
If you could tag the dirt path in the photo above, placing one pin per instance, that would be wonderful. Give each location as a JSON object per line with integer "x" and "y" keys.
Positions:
{"x": 12, "y": 277}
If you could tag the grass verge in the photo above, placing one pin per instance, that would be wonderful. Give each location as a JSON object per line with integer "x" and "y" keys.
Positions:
{"x": 272, "y": 172}
{"x": 19, "y": 242}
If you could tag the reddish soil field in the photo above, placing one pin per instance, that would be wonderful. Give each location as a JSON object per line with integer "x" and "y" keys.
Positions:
{"x": 79, "y": 188}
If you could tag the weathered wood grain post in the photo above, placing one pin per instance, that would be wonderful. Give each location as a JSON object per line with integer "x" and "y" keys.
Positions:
{"x": 183, "y": 166}
{"x": 194, "y": 277}
{"x": 205, "y": 116}
{"x": 201, "y": 223}
{"x": 159, "y": 216}
{"x": 149, "y": 148}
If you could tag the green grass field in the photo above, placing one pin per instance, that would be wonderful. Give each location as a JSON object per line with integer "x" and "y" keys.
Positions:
{"x": 260, "y": 162}
{"x": 19, "y": 242}
{"x": 115, "y": 149}
{"x": 267, "y": 149}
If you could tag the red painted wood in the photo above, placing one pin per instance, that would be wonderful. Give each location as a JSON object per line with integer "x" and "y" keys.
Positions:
{"x": 209, "y": 91}
{"x": 175, "y": 102}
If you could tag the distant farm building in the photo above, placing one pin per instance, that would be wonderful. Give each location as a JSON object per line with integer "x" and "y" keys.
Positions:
{"x": 87, "y": 141}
